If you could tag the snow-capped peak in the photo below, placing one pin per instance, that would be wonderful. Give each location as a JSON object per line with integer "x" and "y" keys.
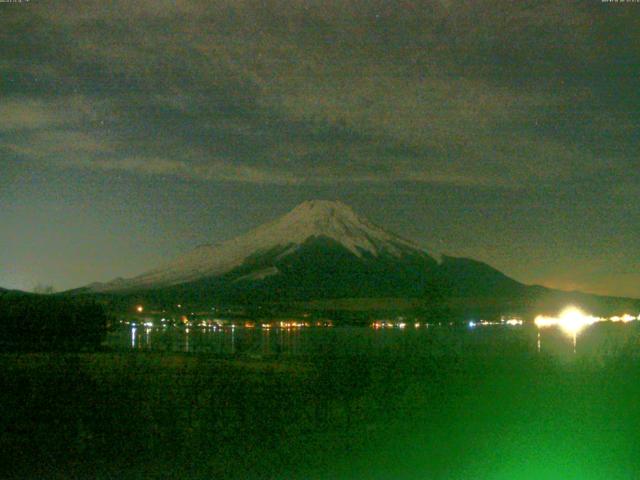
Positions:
{"x": 334, "y": 220}
{"x": 314, "y": 218}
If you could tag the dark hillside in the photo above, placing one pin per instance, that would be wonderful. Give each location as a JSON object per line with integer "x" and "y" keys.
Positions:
{"x": 44, "y": 322}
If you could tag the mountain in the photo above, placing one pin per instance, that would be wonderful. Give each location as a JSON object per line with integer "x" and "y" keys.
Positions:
{"x": 323, "y": 250}
{"x": 312, "y": 233}
{"x": 315, "y": 227}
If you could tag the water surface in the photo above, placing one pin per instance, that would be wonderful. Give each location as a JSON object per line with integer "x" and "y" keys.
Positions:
{"x": 595, "y": 341}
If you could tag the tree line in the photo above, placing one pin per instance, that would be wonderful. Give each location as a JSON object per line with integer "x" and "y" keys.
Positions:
{"x": 45, "y": 322}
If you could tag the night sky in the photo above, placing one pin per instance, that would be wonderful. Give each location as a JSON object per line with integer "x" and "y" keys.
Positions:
{"x": 503, "y": 131}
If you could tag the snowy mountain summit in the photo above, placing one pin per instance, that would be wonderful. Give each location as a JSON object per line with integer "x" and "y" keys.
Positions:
{"x": 334, "y": 220}
{"x": 315, "y": 219}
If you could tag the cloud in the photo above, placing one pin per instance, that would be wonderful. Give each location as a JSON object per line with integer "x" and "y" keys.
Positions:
{"x": 483, "y": 95}
{"x": 226, "y": 171}
{"x": 217, "y": 170}
{"x": 22, "y": 113}
{"x": 19, "y": 114}
{"x": 59, "y": 144}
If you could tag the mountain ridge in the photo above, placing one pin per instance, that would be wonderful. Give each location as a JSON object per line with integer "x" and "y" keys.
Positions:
{"x": 323, "y": 251}
{"x": 314, "y": 218}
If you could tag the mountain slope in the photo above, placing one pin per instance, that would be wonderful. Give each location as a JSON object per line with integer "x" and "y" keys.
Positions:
{"x": 467, "y": 277}
{"x": 267, "y": 244}
{"x": 321, "y": 251}
{"x": 318, "y": 268}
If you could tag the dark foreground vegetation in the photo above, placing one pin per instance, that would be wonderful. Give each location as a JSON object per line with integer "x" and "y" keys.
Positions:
{"x": 505, "y": 413}
{"x": 31, "y": 322}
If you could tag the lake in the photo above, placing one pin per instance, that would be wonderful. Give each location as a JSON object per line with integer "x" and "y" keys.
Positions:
{"x": 595, "y": 341}
{"x": 496, "y": 402}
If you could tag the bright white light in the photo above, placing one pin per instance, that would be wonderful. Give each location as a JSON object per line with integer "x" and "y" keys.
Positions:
{"x": 472, "y": 324}
{"x": 571, "y": 320}
{"x": 543, "y": 322}
{"x": 624, "y": 318}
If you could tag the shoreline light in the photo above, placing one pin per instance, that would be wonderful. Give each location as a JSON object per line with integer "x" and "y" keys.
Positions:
{"x": 571, "y": 320}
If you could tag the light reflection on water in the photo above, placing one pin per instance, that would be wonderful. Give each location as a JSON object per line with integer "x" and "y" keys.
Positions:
{"x": 598, "y": 340}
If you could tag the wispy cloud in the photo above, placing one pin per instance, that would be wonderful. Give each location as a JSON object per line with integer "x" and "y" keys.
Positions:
{"x": 226, "y": 171}
{"x": 306, "y": 93}
{"x": 216, "y": 170}
{"x": 27, "y": 113}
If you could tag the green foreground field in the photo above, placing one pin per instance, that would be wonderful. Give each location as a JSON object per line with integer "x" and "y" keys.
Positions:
{"x": 506, "y": 414}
